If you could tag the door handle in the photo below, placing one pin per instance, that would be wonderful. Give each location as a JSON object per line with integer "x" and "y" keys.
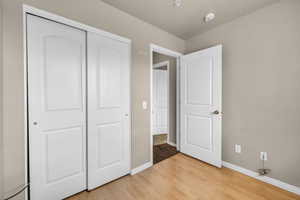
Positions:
{"x": 216, "y": 112}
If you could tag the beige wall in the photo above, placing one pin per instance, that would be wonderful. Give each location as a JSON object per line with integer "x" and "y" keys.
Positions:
{"x": 157, "y": 58}
{"x": 261, "y": 87}
{"x": 94, "y": 13}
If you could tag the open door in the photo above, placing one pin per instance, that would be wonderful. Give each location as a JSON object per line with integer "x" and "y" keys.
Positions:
{"x": 201, "y": 105}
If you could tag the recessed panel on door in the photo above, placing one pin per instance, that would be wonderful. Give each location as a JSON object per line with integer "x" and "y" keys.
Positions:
{"x": 62, "y": 73}
{"x": 109, "y": 134}
{"x": 56, "y": 98}
{"x": 199, "y": 131}
{"x": 108, "y": 110}
{"x": 69, "y": 139}
{"x": 199, "y": 81}
{"x": 109, "y": 78}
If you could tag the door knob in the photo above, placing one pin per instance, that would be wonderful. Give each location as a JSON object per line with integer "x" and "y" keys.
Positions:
{"x": 216, "y": 112}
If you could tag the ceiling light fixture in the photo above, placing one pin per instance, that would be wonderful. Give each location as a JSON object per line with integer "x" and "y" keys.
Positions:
{"x": 177, "y": 3}
{"x": 209, "y": 17}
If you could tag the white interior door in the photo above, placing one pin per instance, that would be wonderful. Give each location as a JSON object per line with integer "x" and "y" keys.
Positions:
{"x": 108, "y": 109}
{"x": 160, "y": 102}
{"x": 56, "y": 98}
{"x": 200, "y": 117}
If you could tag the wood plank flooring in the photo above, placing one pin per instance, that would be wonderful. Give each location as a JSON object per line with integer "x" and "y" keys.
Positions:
{"x": 183, "y": 178}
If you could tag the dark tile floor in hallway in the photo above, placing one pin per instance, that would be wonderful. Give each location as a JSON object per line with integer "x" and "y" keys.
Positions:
{"x": 162, "y": 152}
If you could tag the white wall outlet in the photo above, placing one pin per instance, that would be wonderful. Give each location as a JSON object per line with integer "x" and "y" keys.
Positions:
{"x": 263, "y": 156}
{"x": 145, "y": 105}
{"x": 238, "y": 148}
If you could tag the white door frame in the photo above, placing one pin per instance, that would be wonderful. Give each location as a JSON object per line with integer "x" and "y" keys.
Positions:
{"x": 50, "y": 16}
{"x": 158, "y": 65}
{"x": 177, "y": 55}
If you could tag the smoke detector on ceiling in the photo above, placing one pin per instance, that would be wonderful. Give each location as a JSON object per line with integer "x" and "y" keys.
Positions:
{"x": 209, "y": 17}
{"x": 177, "y": 3}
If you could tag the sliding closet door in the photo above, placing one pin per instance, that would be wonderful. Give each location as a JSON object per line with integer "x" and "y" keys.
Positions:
{"x": 56, "y": 97}
{"x": 108, "y": 110}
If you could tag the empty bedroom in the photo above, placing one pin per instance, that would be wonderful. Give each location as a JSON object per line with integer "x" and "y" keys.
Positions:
{"x": 149, "y": 100}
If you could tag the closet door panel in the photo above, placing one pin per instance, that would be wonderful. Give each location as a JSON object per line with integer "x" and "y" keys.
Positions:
{"x": 56, "y": 104}
{"x": 108, "y": 110}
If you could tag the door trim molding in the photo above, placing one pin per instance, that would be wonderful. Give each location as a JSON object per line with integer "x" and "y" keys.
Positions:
{"x": 165, "y": 51}
{"x": 161, "y": 64}
{"x": 266, "y": 179}
{"x": 54, "y": 17}
{"x": 177, "y": 55}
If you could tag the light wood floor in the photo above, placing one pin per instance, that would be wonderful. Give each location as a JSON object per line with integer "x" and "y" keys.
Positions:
{"x": 181, "y": 177}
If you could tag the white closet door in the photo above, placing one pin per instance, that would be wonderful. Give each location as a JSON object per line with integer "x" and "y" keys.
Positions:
{"x": 108, "y": 110}
{"x": 160, "y": 101}
{"x": 56, "y": 97}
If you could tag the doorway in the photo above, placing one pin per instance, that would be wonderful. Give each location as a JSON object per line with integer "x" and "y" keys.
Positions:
{"x": 163, "y": 105}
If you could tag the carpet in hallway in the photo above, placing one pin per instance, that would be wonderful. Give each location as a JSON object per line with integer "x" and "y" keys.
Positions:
{"x": 162, "y": 152}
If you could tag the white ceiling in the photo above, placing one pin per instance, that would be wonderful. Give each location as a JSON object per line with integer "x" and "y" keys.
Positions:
{"x": 187, "y": 21}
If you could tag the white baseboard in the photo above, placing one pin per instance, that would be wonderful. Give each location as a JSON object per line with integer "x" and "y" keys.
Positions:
{"x": 266, "y": 179}
{"x": 172, "y": 144}
{"x": 141, "y": 168}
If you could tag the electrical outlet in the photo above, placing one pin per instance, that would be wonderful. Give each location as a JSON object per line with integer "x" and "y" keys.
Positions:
{"x": 145, "y": 105}
{"x": 238, "y": 148}
{"x": 263, "y": 156}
